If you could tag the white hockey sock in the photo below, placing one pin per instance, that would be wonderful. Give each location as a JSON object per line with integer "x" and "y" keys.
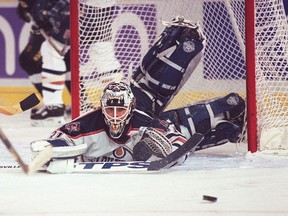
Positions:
{"x": 53, "y": 75}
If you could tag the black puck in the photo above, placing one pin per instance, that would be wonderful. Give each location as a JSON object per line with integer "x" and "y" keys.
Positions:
{"x": 209, "y": 198}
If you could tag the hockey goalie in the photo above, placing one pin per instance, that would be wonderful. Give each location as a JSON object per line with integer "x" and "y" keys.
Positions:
{"x": 132, "y": 125}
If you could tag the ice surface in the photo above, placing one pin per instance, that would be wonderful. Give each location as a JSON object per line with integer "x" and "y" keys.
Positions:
{"x": 245, "y": 184}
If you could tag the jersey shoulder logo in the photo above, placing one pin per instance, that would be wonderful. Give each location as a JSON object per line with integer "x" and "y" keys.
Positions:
{"x": 73, "y": 127}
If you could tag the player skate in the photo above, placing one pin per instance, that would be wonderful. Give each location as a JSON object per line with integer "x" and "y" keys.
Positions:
{"x": 48, "y": 116}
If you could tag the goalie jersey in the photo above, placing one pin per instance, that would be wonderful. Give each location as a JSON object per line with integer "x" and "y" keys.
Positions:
{"x": 91, "y": 130}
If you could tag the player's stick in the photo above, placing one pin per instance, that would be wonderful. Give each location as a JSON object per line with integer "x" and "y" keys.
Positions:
{"x": 41, "y": 159}
{"x": 27, "y": 103}
{"x": 53, "y": 43}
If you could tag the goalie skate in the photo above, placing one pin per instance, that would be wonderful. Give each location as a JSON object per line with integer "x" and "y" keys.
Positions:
{"x": 182, "y": 22}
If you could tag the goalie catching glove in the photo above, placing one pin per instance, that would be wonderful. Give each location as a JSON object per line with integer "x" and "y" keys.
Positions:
{"x": 152, "y": 146}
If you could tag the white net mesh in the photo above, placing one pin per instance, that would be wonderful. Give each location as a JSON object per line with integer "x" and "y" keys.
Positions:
{"x": 271, "y": 73}
{"x": 115, "y": 35}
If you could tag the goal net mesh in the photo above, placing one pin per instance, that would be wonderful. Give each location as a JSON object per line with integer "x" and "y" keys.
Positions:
{"x": 115, "y": 35}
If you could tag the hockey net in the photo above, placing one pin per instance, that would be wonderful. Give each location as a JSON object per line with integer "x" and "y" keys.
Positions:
{"x": 109, "y": 38}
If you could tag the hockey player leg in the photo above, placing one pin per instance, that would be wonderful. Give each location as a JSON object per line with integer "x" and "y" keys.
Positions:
{"x": 220, "y": 120}
{"x": 68, "y": 71}
{"x": 167, "y": 66}
{"x": 53, "y": 82}
{"x": 63, "y": 157}
{"x": 68, "y": 82}
{"x": 30, "y": 58}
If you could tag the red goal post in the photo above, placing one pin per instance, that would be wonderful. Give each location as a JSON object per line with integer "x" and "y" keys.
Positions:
{"x": 245, "y": 51}
{"x": 251, "y": 108}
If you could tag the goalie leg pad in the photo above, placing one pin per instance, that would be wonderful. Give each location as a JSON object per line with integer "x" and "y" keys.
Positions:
{"x": 152, "y": 146}
{"x": 148, "y": 102}
{"x": 164, "y": 74}
{"x": 223, "y": 132}
{"x": 163, "y": 68}
{"x": 206, "y": 115}
{"x": 221, "y": 119}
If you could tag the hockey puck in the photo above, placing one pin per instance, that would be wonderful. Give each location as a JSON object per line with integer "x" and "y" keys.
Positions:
{"x": 209, "y": 198}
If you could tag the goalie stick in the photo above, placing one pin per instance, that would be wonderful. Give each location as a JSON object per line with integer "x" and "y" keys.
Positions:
{"x": 27, "y": 103}
{"x": 28, "y": 169}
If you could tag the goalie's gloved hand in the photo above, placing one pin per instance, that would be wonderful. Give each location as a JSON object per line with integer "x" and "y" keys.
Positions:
{"x": 23, "y": 11}
{"x": 153, "y": 145}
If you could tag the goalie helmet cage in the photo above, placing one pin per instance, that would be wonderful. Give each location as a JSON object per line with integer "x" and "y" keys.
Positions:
{"x": 245, "y": 45}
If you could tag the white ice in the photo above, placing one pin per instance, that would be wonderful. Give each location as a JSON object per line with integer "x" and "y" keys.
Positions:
{"x": 245, "y": 184}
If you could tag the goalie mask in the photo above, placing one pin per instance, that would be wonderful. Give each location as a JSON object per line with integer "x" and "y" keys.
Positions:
{"x": 117, "y": 102}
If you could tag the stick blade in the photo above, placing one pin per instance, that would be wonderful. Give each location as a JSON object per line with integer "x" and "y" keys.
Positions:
{"x": 43, "y": 157}
{"x": 29, "y": 102}
{"x": 189, "y": 145}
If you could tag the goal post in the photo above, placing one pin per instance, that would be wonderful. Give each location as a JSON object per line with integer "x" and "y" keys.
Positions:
{"x": 251, "y": 108}
{"x": 245, "y": 52}
{"x": 74, "y": 58}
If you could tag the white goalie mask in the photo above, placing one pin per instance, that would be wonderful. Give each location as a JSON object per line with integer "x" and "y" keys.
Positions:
{"x": 118, "y": 103}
